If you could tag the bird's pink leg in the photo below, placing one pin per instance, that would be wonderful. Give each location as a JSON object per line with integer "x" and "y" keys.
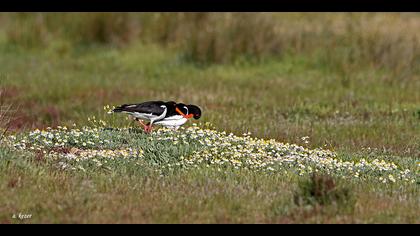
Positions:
{"x": 145, "y": 127}
{"x": 149, "y": 128}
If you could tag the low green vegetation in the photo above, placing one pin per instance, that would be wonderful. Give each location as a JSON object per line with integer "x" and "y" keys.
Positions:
{"x": 194, "y": 175}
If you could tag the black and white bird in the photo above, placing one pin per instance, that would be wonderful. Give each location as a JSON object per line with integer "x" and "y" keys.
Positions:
{"x": 169, "y": 114}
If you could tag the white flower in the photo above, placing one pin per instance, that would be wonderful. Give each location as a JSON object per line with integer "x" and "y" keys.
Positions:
{"x": 391, "y": 178}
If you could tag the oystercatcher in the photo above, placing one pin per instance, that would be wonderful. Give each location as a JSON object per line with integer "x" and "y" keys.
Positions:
{"x": 169, "y": 114}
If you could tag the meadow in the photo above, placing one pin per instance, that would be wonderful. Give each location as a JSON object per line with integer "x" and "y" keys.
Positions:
{"x": 307, "y": 117}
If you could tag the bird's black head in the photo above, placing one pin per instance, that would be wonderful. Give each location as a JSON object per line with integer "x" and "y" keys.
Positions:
{"x": 195, "y": 111}
{"x": 182, "y": 108}
{"x": 188, "y": 111}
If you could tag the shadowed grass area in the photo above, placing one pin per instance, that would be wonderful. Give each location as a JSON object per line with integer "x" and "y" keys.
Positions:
{"x": 342, "y": 41}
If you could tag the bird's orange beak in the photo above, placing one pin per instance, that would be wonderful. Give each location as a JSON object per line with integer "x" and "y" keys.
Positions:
{"x": 182, "y": 114}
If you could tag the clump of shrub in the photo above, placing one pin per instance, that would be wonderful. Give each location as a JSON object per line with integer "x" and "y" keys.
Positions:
{"x": 322, "y": 190}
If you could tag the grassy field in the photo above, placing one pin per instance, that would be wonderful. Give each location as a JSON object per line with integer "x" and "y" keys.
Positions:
{"x": 349, "y": 82}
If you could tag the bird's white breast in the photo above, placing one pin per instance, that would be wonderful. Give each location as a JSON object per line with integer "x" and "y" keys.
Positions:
{"x": 172, "y": 121}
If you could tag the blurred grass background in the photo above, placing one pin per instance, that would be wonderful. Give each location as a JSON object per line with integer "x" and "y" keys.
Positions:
{"x": 349, "y": 81}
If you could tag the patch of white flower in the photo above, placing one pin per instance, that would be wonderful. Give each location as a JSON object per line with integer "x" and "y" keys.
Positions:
{"x": 221, "y": 149}
{"x": 209, "y": 148}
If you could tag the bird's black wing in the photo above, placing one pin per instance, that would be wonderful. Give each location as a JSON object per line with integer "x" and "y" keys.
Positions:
{"x": 151, "y": 107}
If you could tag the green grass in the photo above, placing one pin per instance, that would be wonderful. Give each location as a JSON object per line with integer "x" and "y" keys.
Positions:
{"x": 291, "y": 98}
{"x": 348, "y": 81}
{"x": 140, "y": 195}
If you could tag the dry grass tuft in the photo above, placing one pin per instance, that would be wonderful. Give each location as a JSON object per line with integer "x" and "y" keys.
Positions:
{"x": 5, "y": 115}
